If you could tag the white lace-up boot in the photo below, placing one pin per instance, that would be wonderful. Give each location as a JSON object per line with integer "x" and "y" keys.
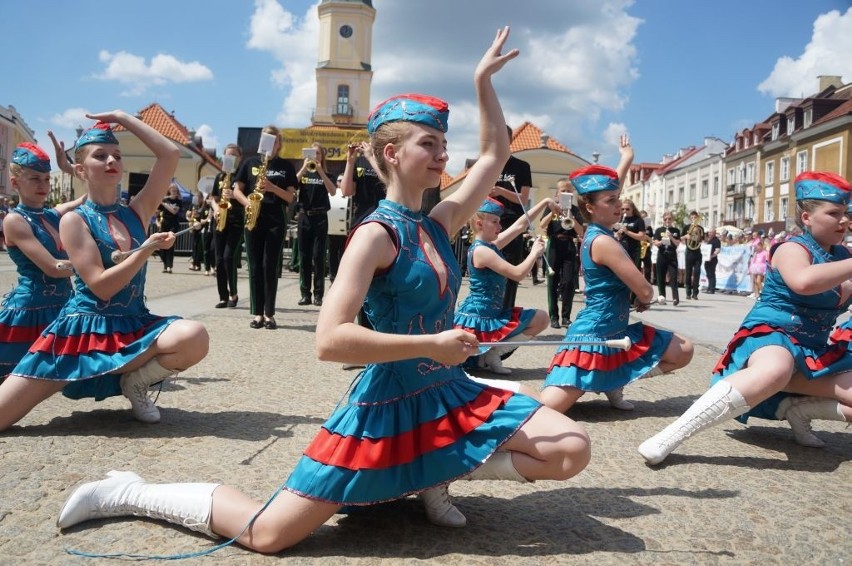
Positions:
{"x": 492, "y": 359}
{"x": 135, "y": 384}
{"x": 498, "y": 466}
{"x": 439, "y": 509}
{"x": 616, "y": 400}
{"x": 799, "y": 411}
{"x": 720, "y": 403}
{"x": 126, "y": 494}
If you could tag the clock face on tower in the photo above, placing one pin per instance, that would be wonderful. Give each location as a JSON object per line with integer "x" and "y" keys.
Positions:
{"x": 346, "y": 31}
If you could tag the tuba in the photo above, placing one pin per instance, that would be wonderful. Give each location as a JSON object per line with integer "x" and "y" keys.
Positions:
{"x": 267, "y": 143}
{"x": 694, "y": 237}
{"x": 228, "y": 163}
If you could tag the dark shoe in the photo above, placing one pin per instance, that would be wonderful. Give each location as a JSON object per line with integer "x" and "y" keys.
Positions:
{"x": 221, "y": 304}
{"x": 232, "y": 303}
{"x": 270, "y": 324}
{"x": 536, "y": 281}
{"x": 318, "y": 301}
{"x": 305, "y": 300}
{"x": 554, "y": 322}
{"x": 566, "y": 322}
{"x": 675, "y": 302}
{"x": 256, "y": 324}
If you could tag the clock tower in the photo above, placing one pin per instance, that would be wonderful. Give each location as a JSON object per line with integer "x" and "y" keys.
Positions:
{"x": 344, "y": 72}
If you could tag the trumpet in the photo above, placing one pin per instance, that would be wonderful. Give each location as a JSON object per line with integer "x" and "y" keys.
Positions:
{"x": 228, "y": 163}
{"x": 309, "y": 154}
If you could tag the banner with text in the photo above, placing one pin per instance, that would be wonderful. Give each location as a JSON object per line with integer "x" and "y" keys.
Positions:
{"x": 334, "y": 142}
{"x": 732, "y": 269}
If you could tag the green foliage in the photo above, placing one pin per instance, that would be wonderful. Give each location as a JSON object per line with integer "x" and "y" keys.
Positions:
{"x": 680, "y": 214}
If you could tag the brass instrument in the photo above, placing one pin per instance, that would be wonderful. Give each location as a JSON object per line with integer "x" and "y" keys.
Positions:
{"x": 694, "y": 236}
{"x": 309, "y": 154}
{"x": 643, "y": 248}
{"x": 256, "y": 196}
{"x": 228, "y": 163}
{"x": 267, "y": 145}
{"x": 566, "y": 221}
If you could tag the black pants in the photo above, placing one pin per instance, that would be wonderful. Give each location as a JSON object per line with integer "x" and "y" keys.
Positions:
{"x": 710, "y": 268}
{"x": 336, "y": 245}
{"x": 646, "y": 266}
{"x": 692, "y": 275}
{"x": 514, "y": 254}
{"x": 313, "y": 236}
{"x": 201, "y": 248}
{"x": 561, "y": 285}
{"x": 667, "y": 264}
{"x": 264, "y": 258}
{"x": 168, "y": 256}
{"x": 228, "y": 245}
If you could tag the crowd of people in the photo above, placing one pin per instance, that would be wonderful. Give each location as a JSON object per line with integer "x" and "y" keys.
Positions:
{"x": 414, "y": 420}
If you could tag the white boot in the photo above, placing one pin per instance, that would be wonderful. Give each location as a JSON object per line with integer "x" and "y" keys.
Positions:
{"x": 720, "y": 403}
{"x": 653, "y": 372}
{"x": 125, "y": 494}
{"x": 492, "y": 359}
{"x": 439, "y": 509}
{"x": 134, "y": 386}
{"x": 799, "y": 411}
{"x": 616, "y": 400}
{"x": 498, "y": 466}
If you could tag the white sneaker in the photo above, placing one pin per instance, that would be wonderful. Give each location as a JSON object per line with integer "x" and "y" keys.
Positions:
{"x": 141, "y": 405}
{"x": 439, "y": 510}
{"x": 661, "y": 300}
{"x": 494, "y": 364}
{"x": 617, "y": 401}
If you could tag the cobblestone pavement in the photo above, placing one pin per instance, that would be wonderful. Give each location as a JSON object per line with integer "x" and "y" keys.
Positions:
{"x": 732, "y": 495}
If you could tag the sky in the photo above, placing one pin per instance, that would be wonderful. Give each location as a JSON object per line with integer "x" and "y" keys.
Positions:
{"x": 669, "y": 73}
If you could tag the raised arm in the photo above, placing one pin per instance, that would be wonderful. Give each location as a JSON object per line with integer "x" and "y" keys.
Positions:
{"x": 166, "y": 153}
{"x": 521, "y": 225}
{"x": 455, "y": 210}
{"x": 61, "y": 157}
{"x": 626, "y": 151}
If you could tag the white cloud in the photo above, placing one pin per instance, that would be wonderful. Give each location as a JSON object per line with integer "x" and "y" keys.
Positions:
{"x": 70, "y": 118}
{"x": 209, "y": 139}
{"x": 293, "y": 43}
{"x": 828, "y": 53}
{"x": 130, "y": 69}
{"x": 613, "y": 132}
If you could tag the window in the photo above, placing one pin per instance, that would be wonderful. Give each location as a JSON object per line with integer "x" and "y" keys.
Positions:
{"x": 343, "y": 100}
{"x": 801, "y": 162}
{"x": 782, "y": 211}
{"x": 809, "y": 117}
{"x": 705, "y": 187}
{"x": 671, "y": 199}
{"x": 715, "y": 219}
{"x": 732, "y": 176}
{"x": 791, "y": 124}
{"x": 680, "y": 195}
{"x": 756, "y": 140}
{"x": 785, "y": 169}
{"x": 768, "y": 215}
{"x": 776, "y": 129}
{"x": 770, "y": 173}
{"x": 730, "y": 214}
{"x": 715, "y": 185}
{"x": 692, "y": 191}
{"x": 749, "y": 173}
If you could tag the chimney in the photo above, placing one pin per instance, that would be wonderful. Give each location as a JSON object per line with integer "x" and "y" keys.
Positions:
{"x": 826, "y": 81}
{"x": 544, "y": 138}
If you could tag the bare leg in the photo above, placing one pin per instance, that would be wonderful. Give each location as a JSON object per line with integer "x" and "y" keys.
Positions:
{"x": 837, "y": 386}
{"x": 288, "y": 520}
{"x": 677, "y": 355}
{"x": 182, "y": 345}
{"x": 19, "y": 395}
{"x": 560, "y": 398}
{"x": 549, "y": 446}
{"x": 539, "y": 322}
{"x": 768, "y": 371}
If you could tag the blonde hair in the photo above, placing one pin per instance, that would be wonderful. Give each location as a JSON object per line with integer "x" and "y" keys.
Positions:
{"x": 807, "y": 205}
{"x": 583, "y": 201}
{"x": 388, "y": 133}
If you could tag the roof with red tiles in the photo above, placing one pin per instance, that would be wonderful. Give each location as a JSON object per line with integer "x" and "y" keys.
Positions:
{"x": 686, "y": 153}
{"x": 165, "y": 123}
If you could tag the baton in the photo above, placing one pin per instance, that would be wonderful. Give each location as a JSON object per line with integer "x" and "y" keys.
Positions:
{"x": 619, "y": 343}
{"x": 119, "y": 256}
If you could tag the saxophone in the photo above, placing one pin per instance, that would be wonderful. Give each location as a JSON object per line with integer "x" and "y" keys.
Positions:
{"x": 224, "y": 204}
{"x": 253, "y": 208}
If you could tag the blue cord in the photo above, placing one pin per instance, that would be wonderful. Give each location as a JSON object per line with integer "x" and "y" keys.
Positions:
{"x": 181, "y": 556}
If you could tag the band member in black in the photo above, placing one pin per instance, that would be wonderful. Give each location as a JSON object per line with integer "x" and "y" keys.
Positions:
{"x": 631, "y": 231}
{"x": 693, "y": 237}
{"x": 314, "y": 204}
{"x": 564, "y": 234}
{"x": 512, "y": 190}
{"x": 667, "y": 239}
{"x": 264, "y": 241}
{"x": 645, "y": 249}
{"x": 710, "y": 265}
{"x": 169, "y": 211}
{"x": 227, "y": 243}
{"x": 199, "y": 217}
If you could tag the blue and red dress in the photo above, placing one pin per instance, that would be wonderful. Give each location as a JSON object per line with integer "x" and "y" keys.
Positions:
{"x": 482, "y": 312}
{"x": 411, "y": 424}
{"x": 91, "y": 338}
{"x": 37, "y": 299}
{"x": 800, "y": 324}
{"x": 605, "y": 317}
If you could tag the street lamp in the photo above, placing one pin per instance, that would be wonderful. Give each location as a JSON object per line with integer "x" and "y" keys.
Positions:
{"x": 595, "y": 156}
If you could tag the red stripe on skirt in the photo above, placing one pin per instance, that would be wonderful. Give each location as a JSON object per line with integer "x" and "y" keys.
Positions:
{"x": 741, "y": 335}
{"x": 499, "y": 334}
{"x": 20, "y": 334}
{"x": 604, "y": 362}
{"x": 379, "y": 453}
{"x": 85, "y": 343}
